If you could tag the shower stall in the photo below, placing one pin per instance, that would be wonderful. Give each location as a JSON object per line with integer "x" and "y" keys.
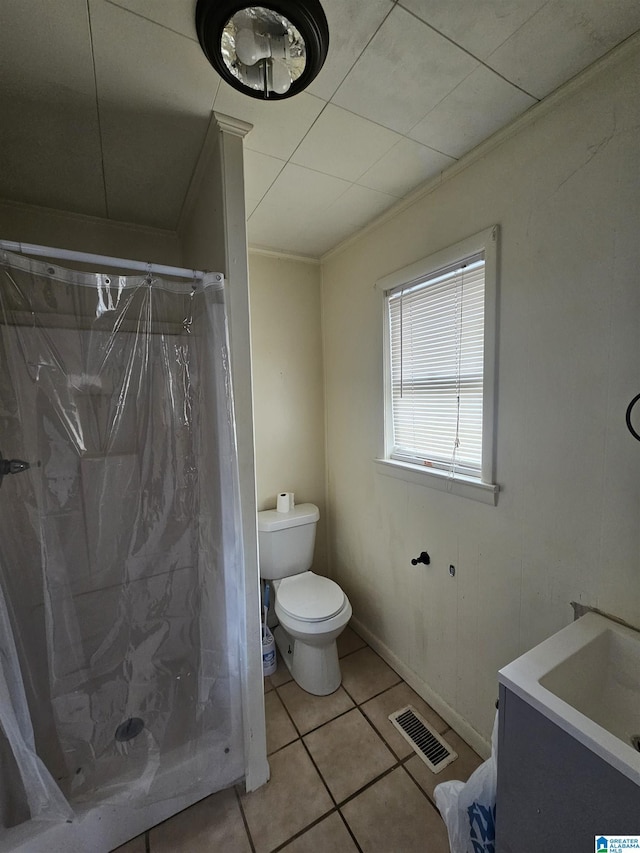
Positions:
{"x": 121, "y": 560}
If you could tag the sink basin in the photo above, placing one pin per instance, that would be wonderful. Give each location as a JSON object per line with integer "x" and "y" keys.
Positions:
{"x": 602, "y": 681}
{"x": 586, "y": 679}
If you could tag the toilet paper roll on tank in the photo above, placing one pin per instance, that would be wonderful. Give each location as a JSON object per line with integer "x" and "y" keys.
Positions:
{"x": 285, "y": 502}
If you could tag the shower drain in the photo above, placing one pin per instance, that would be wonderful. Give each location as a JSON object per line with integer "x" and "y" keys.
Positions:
{"x": 635, "y": 742}
{"x": 129, "y": 729}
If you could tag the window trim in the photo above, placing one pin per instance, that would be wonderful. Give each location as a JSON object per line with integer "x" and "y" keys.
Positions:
{"x": 484, "y": 488}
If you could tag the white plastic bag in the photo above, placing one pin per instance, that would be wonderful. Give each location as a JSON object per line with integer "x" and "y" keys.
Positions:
{"x": 469, "y": 809}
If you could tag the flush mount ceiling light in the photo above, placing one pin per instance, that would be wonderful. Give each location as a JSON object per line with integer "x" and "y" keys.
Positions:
{"x": 270, "y": 52}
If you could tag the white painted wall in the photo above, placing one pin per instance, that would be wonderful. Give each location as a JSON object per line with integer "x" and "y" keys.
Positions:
{"x": 47, "y": 227}
{"x": 288, "y": 392}
{"x": 564, "y": 188}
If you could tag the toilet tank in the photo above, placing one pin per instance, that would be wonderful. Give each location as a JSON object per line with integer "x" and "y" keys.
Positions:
{"x": 286, "y": 541}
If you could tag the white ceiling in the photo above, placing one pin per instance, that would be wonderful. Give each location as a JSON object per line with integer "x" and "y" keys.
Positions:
{"x": 104, "y": 104}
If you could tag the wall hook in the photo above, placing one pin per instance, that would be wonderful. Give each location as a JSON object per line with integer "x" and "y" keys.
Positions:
{"x": 423, "y": 558}
{"x": 628, "y": 417}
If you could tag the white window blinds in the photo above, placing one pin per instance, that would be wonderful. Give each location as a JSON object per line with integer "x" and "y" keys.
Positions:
{"x": 436, "y": 334}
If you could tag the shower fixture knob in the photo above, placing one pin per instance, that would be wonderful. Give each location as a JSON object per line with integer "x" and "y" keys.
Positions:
{"x": 423, "y": 558}
{"x": 11, "y": 466}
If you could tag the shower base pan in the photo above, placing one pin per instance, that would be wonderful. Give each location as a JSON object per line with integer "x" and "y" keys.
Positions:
{"x": 102, "y": 827}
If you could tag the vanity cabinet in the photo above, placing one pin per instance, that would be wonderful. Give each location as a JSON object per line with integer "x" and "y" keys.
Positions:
{"x": 553, "y": 792}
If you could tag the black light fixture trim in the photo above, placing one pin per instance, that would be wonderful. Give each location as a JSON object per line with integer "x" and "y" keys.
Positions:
{"x": 306, "y": 15}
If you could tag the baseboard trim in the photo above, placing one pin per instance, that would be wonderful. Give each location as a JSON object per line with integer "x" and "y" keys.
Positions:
{"x": 457, "y": 723}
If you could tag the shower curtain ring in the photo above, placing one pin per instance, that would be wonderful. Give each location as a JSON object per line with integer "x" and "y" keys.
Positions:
{"x": 188, "y": 320}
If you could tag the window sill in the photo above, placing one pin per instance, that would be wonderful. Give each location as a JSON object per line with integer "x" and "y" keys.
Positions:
{"x": 458, "y": 484}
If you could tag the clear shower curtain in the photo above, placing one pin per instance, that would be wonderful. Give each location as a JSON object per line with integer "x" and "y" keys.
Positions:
{"x": 120, "y": 552}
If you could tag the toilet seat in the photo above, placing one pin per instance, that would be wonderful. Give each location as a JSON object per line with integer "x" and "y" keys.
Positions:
{"x": 309, "y": 597}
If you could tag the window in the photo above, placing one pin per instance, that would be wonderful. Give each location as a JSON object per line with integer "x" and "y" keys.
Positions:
{"x": 439, "y": 368}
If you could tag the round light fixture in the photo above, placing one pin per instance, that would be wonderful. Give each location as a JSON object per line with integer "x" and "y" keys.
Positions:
{"x": 270, "y": 52}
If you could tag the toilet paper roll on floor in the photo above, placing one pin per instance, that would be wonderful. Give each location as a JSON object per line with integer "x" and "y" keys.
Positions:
{"x": 285, "y": 502}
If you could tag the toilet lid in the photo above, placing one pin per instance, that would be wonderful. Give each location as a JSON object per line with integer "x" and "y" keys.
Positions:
{"x": 310, "y": 597}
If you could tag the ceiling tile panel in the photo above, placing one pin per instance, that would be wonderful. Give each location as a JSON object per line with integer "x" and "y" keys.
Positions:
{"x": 266, "y": 228}
{"x": 352, "y": 23}
{"x": 357, "y": 206}
{"x": 45, "y": 49}
{"x": 343, "y": 144}
{"x": 408, "y": 86}
{"x": 404, "y": 168}
{"x": 143, "y": 66}
{"x": 563, "y": 38}
{"x": 148, "y": 174}
{"x": 351, "y": 211}
{"x": 176, "y": 15}
{"x": 479, "y": 106}
{"x": 278, "y": 126}
{"x": 404, "y": 72}
{"x": 314, "y": 242}
{"x": 307, "y": 212}
{"x": 50, "y": 153}
{"x": 481, "y": 26}
{"x": 250, "y": 205}
{"x": 293, "y": 203}
{"x": 298, "y": 191}
{"x": 260, "y": 171}
{"x": 49, "y": 133}
{"x": 156, "y": 91}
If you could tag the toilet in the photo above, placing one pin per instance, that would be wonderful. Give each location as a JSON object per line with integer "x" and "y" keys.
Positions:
{"x": 312, "y": 610}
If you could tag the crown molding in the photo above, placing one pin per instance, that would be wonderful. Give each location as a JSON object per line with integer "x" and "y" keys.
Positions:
{"x": 282, "y": 256}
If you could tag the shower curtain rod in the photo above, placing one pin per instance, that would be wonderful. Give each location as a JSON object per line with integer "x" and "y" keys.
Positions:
{"x": 103, "y": 260}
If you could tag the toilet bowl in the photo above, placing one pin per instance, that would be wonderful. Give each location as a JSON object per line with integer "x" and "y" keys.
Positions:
{"x": 311, "y": 610}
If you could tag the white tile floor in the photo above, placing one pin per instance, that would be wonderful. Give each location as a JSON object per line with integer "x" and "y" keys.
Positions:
{"x": 342, "y": 778}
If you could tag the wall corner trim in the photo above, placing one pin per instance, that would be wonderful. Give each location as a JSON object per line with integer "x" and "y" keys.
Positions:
{"x": 218, "y": 123}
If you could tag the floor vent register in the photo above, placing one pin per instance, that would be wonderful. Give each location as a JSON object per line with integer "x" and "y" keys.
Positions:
{"x": 427, "y": 743}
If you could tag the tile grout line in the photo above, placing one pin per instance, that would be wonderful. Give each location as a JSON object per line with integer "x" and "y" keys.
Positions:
{"x": 350, "y": 831}
{"x": 368, "y": 785}
{"x": 305, "y": 829}
{"x": 399, "y": 762}
{"x": 353, "y": 651}
{"x": 315, "y": 728}
{"x": 284, "y": 705}
{"x": 375, "y": 695}
{"x": 337, "y": 806}
{"x": 431, "y": 802}
{"x": 244, "y": 819}
{"x": 380, "y": 735}
{"x": 341, "y": 803}
{"x": 317, "y": 769}
{"x": 356, "y": 704}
